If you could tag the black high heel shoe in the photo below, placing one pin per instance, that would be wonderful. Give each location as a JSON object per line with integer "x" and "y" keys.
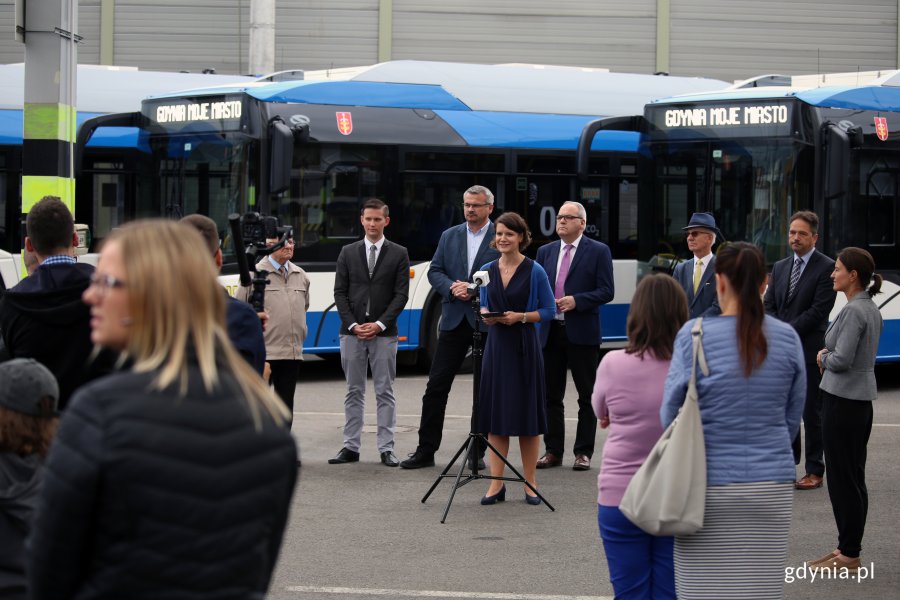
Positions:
{"x": 498, "y": 497}
{"x": 532, "y": 500}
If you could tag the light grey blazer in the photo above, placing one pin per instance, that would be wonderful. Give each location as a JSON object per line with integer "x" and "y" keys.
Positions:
{"x": 851, "y": 342}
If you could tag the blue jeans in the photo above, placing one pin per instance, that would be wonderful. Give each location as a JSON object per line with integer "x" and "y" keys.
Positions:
{"x": 640, "y": 565}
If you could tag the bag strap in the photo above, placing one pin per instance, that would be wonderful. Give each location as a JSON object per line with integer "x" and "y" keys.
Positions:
{"x": 699, "y": 356}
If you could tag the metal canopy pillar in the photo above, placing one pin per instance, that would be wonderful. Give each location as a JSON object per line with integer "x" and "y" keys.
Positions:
{"x": 49, "y": 125}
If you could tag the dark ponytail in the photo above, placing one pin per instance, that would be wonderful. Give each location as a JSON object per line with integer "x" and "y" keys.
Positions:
{"x": 859, "y": 260}
{"x": 745, "y": 268}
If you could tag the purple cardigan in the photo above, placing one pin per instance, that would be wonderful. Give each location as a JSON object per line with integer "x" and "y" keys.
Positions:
{"x": 629, "y": 390}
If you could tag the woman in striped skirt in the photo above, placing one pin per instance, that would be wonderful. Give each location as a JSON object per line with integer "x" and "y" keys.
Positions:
{"x": 750, "y": 405}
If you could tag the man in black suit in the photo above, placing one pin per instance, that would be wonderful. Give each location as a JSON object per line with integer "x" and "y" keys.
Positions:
{"x": 581, "y": 272}
{"x": 462, "y": 250}
{"x": 371, "y": 286}
{"x": 697, "y": 275}
{"x": 800, "y": 293}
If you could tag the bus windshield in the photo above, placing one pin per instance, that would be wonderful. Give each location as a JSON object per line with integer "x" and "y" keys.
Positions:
{"x": 751, "y": 186}
{"x": 200, "y": 173}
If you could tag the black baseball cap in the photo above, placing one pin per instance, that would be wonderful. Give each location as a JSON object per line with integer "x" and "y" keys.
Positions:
{"x": 24, "y": 383}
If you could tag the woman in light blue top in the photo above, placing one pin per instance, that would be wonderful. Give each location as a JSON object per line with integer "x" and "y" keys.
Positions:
{"x": 750, "y": 406}
{"x": 848, "y": 387}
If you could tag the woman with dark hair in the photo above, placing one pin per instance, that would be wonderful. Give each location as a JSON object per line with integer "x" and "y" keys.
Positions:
{"x": 750, "y": 405}
{"x": 627, "y": 396}
{"x": 848, "y": 388}
{"x": 511, "y": 395}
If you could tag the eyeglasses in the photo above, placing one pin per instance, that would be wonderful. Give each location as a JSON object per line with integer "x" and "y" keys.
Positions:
{"x": 696, "y": 232}
{"x": 103, "y": 283}
{"x": 467, "y": 206}
{"x": 567, "y": 217}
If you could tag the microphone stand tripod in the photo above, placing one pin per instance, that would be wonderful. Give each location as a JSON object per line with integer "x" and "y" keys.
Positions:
{"x": 469, "y": 448}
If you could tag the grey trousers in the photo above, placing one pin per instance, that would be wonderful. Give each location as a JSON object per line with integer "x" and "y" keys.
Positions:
{"x": 380, "y": 354}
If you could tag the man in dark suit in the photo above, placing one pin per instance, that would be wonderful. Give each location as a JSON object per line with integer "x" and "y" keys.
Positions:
{"x": 462, "y": 250}
{"x": 697, "y": 275}
{"x": 800, "y": 293}
{"x": 581, "y": 272}
{"x": 371, "y": 286}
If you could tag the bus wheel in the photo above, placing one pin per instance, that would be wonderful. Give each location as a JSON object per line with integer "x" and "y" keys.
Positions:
{"x": 430, "y": 338}
{"x": 430, "y": 335}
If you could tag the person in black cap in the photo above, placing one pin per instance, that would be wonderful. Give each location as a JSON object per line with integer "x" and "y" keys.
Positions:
{"x": 28, "y": 397}
{"x": 697, "y": 275}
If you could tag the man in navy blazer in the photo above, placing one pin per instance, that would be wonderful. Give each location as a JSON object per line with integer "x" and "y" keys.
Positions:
{"x": 462, "y": 250}
{"x": 581, "y": 272}
{"x": 697, "y": 275}
{"x": 806, "y": 309}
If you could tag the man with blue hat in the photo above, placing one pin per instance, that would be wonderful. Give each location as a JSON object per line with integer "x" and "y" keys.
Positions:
{"x": 697, "y": 275}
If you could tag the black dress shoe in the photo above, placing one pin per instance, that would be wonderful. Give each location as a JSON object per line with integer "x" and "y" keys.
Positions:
{"x": 344, "y": 456}
{"x": 388, "y": 458}
{"x": 417, "y": 460}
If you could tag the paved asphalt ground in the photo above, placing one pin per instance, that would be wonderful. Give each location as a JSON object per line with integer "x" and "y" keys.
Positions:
{"x": 360, "y": 531}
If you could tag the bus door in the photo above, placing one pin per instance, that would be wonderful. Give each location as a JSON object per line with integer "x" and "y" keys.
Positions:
{"x": 10, "y": 198}
{"x": 877, "y": 205}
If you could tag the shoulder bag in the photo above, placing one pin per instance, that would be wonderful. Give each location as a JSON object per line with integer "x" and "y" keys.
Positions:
{"x": 667, "y": 496}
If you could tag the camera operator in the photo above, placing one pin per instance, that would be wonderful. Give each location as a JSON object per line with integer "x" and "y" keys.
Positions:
{"x": 287, "y": 300}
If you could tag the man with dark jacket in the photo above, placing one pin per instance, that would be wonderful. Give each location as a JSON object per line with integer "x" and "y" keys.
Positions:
{"x": 371, "y": 286}
{"x": 43, "y": 316}
{"x": 244, "y": 327}
{"x": 801, "y": 294}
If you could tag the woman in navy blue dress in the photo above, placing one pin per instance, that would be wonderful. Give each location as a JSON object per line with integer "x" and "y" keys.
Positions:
{"x": 511, "y": 395}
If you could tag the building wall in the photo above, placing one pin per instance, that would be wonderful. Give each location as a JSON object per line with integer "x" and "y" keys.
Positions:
{"x": 730, "y": 39}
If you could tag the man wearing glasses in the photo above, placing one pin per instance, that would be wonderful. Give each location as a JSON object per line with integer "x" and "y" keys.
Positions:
{"x": 287, "y": 300}
{"x": 43, "y": 317}
{"x": 581, "y": 273}
{"x": 461, "y": 251}
{"x": 697, "y": 276}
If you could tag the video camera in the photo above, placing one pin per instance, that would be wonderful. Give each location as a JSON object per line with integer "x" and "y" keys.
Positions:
{"x": 253, "y": 230}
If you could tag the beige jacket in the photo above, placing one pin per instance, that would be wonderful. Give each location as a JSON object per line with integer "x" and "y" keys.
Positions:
{"x": 287, "y": 301}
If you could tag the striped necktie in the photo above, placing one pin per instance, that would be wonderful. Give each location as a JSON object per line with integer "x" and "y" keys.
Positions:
{"x": 795, "y": 277}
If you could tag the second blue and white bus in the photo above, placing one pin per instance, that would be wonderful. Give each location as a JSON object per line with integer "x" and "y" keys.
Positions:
{"x": 415, "y": 134}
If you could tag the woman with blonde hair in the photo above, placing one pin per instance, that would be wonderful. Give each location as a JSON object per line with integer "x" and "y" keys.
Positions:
{"x": 628, "y": 392}
{"x": 173, "y": 477}
{"x": 750, "y": 405}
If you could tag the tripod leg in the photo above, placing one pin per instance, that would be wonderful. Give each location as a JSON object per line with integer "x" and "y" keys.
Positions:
{"x": 469, "y": 446}
{"x": 446, "y": 470}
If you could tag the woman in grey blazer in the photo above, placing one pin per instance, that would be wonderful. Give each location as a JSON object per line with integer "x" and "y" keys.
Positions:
{"x": 848, "y": 388}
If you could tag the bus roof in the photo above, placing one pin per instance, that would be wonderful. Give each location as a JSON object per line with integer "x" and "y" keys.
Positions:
{"x": 884, "y": 96}
{"x": 495, "y": 88}
{"x": 101, "y": 90}
{"x": 104, "y": 89}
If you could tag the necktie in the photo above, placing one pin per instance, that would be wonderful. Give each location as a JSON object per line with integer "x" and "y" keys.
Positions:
{"x": 795, "y": 277}
{"x": 698, "y": 273}
{"x": 560, "y": 290}
{"x": 372, "y": 250}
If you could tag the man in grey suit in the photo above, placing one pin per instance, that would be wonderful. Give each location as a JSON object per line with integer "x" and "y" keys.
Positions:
{"x": 371, "y": 286}
{"x": 463, "y": 249}
{"x": 801, "y": 294}
{"x": 697, "y": 276}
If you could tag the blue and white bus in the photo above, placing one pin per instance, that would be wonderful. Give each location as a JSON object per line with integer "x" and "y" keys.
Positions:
{"x": 415, "y": 134}
{"x": 754, "y": 154}
{"x": 106, "y": 191}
